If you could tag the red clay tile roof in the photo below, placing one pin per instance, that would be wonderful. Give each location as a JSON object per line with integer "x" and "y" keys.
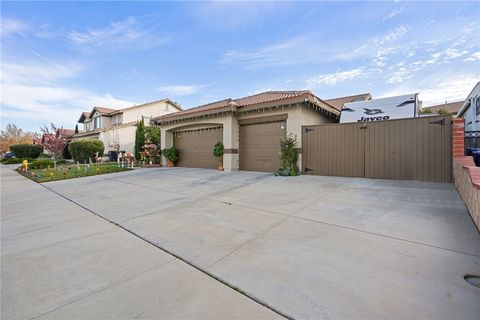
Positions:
{"x": 264, "y": 97}
{"x": 339, "y": 102}
{"x": 206, "y": 107}
{"x": 451, "y": 107}
{"x": 269, "y": 96}
{"x": 101, "y": 110}
{"x": 65, "y": 132}
{"x": 104, "y": 110}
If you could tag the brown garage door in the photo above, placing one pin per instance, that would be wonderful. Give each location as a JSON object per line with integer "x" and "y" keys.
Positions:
{"x": 260, "y": 146}
{"x": 196, "y": 147}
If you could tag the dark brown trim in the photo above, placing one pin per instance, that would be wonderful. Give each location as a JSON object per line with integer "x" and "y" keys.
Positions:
{"x": 254, "y": 120}
{"x": 230, "y": 151}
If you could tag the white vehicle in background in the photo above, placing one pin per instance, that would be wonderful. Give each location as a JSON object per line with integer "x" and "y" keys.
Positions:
{"x": 399, "y": 107}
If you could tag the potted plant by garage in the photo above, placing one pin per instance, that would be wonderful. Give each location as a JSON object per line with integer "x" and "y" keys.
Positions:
{"x": 171, "y": 154}
{"x": 218, "y": 152}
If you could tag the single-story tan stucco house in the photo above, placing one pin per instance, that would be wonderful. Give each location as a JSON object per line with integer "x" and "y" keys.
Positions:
{"x": 249, "y": 127}
{"x": 116, "y": 128}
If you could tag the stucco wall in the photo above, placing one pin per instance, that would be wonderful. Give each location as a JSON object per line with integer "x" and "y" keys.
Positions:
{"x": 150, "y": 110}
{"x": 297, "y": 116}
{"x": 124, "y": 136}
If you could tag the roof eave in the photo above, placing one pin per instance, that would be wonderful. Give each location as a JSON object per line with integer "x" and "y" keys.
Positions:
{"x": 467, "y": 102}
{"x": 176, "y": 117}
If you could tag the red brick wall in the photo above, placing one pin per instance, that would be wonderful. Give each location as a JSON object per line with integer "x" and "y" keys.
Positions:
{"x": 458, "y": 138}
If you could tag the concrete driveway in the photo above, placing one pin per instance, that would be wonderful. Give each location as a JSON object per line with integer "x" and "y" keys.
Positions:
{"x": 305, "y": 247}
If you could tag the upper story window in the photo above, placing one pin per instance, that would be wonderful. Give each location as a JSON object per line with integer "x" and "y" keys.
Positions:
{"x": 117, "y": 119}
{"x": 477, "y": 105}
{"x": 97, "y": 122}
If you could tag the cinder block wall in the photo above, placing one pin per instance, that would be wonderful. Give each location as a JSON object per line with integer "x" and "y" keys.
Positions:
{"x": 466, "y": 176}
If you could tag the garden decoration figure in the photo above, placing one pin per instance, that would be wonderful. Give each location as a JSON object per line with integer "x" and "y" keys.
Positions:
{"x": 97, "y": 158}
{"x": 150, "y": 152}
{"x": 25, "y": 165}
{"x": 120, "y": 159}
{"x": 143, "y": 156}
{"x": 125, "y": 159}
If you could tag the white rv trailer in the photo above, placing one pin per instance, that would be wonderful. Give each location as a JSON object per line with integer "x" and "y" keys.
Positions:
{"x": 399, "y": 107}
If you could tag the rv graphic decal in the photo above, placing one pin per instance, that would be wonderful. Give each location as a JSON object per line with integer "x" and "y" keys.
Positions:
{"x": 372, "y": 111}
{"x": 403, "y": 104}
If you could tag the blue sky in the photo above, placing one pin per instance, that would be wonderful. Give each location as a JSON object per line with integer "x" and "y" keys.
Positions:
{"x": 61, "y": 58}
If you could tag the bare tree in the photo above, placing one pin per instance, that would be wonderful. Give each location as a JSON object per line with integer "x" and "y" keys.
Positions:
{"x": 14, "y": 135}
{"x": 53, "y": 142}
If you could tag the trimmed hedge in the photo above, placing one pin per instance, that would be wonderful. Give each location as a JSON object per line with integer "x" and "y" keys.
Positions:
{"x": 41, "y": 164}
{"x": 44, "y": 156}
{"x": 14, "y": 160}
{"x": 84, "y": 149}
{"x": 26, "y": 150}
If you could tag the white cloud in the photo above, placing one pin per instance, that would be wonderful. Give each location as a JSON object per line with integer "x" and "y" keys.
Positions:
{"x": 475, "y": 56}
{"x": 399, "y": 75}
{"x": 437, "y": 88}
{"x": 315, "y": 48}
{"x": 276, "y": 54}
{"x": 180, "y": 90}
{"x": 10, "y": 26}
{"x": 449, "y": 54}
{"x": 36, "y": 90}
{"x": 334, "y": 78}
{"x": 393, "y": 13}
{"x": 125, "y": 34}
{"x": 38, "y": 73}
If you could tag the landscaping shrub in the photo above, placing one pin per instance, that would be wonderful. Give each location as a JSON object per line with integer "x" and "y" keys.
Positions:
{"x": 288, "y": 157}
{"x": 218, "y": 149}
{"x": 171, "y": 154}
{"x": 41, "y": 164}
{"x": 26, "y": 150}
{"x": 44, "y": 156}
{"x": 152, "y": 134}
{"x": 84, "y": 149}
{"x": 14, "y": 160}
{"x": 139, "y": 138}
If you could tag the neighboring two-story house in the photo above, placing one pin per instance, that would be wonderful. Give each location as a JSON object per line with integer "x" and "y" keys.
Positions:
{"x": 116, "y": 128}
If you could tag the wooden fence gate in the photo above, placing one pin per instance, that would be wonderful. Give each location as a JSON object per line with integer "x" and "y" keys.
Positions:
{"x": 404, "y": 149}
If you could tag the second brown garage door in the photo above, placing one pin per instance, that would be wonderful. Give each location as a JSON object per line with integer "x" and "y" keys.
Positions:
{"x": 260, "y": 146}
{"x": 196, "y": 147}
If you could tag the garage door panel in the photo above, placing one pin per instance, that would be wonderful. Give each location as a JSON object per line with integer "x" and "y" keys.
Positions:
{"x": 260, "y": 146}
{"x": 196, "y": 148}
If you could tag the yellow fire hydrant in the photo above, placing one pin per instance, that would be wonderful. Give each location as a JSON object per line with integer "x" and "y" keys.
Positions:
{"x": 25, "y": 165}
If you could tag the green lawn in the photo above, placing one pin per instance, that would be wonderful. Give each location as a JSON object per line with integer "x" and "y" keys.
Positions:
{"x": 71, "y": 171}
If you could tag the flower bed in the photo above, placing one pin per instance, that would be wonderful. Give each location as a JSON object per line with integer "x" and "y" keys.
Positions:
{"x": 70, "y": 172}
